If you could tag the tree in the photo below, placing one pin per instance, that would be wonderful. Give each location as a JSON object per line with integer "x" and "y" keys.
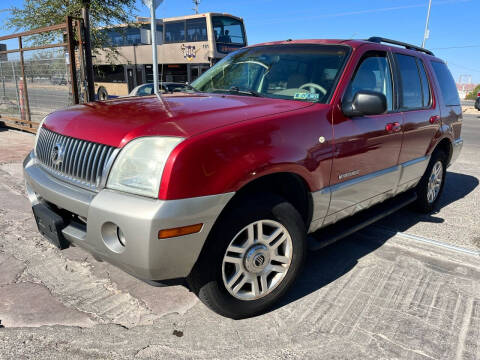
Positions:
{"x": 473, "y": 95}
{"x": 40, "y": 13}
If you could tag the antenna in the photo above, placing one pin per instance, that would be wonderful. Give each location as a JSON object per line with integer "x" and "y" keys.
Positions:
{"x": 196, "y": 3}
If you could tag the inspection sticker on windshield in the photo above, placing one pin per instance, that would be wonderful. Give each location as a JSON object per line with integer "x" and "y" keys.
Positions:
{"x": 306, "y": 96}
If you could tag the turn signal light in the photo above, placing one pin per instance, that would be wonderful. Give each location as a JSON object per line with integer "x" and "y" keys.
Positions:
{"x": 179, "y": 231}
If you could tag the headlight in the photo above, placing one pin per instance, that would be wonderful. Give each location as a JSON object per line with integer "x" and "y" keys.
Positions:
{"x": 139, "y": 166}
{"x": 36, "y": 137}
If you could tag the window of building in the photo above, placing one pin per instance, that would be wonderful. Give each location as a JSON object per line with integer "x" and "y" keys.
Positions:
{"x": 109, "y": 73}
{"x": 197, "y": 29}
{"x": 175, "y": 32}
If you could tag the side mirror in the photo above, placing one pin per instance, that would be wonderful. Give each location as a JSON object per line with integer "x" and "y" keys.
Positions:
{"x": 365, "y": 102}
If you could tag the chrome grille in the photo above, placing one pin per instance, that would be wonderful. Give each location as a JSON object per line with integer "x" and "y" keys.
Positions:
{"x": 84, "y": 163}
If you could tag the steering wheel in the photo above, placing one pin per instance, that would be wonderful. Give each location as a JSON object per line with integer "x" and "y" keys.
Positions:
{"x": 315, "y": 86}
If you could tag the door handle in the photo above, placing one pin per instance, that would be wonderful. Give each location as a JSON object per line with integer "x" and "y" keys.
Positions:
{"x": 393, "y": 127}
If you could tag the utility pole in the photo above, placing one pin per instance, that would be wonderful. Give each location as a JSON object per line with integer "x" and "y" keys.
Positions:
{"x": 426, "y": 34}
{"x": 153, "y": 4}
{"x": 88, "y": 50}
{"x": 196, "y": 3}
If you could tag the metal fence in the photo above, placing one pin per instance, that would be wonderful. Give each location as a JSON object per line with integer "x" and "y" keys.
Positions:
{"x": 37, "y": 80}
{"x": 48, "y": 84}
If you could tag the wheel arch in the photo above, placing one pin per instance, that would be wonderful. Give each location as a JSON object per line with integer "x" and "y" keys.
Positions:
{"x": 288, "y": 185}
{"x": 445, "y": 144}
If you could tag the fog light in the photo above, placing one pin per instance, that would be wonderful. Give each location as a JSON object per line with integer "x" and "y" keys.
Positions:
{"x": 121, "y": 237}
{"x": 113, "y": 237}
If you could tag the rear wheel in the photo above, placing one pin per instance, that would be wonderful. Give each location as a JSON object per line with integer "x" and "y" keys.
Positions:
{"x": 430, "y": 187}
{"x": 102, "y": 94}
{"x": 251, "y": 258}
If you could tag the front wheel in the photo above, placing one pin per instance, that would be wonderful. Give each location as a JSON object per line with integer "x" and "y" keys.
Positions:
{"x": 251, "y": 258}
{"x": 430, "y": 187}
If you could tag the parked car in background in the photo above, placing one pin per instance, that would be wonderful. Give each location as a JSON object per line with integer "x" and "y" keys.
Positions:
{"x": 165, "y": 88}
{"x": 58, "y": 80}
{"x": 220, "y": 186}
{"x": 477, "y": 103}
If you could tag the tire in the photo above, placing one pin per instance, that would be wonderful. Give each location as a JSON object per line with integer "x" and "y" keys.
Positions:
{"x": 214, "y": 269}
{"x": 425, "y": 202}
{"x": 102, "y": 94}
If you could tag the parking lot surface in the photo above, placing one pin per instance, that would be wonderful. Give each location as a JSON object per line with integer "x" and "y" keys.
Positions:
{"x": 406, "y": 287}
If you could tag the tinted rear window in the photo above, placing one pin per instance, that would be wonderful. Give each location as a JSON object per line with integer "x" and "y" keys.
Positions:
{"x": 411, "y": 96}
{"x": 447, "y": 84}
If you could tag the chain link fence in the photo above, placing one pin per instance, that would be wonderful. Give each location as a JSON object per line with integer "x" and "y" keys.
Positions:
{"x": 48, "y": 83}
{"x": 38, "y": 79}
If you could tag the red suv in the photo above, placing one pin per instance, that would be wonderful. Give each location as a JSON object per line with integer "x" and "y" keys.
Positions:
{"x": 221, "y": 185}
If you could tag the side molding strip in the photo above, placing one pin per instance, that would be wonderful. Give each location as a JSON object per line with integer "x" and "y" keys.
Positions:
{"x": 341, "y": 200}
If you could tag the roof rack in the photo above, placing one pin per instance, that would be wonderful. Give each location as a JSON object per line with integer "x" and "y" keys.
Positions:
{"x": 377, "y": 39}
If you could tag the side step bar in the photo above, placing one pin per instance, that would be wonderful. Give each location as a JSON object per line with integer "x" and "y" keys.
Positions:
{"x": 350, "y": 225}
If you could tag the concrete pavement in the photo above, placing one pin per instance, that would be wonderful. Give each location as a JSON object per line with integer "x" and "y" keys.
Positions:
{"x": 377, "y": 294}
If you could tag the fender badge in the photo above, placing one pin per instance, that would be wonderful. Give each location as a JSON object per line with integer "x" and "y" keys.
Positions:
{"x": 348, "y": 174}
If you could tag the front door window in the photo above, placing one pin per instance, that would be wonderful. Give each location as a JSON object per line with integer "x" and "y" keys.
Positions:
{"x": 373, "y": 74}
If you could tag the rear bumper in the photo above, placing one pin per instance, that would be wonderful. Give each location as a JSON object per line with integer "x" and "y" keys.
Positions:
{"x": 139, "y": 218}
{"x": 457, "y": 149}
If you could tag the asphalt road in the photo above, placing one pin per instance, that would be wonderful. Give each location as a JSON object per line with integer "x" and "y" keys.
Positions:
{"x": 471, "y": 130}
{"x": 407, "y": 287}
{"x": 468, "y": 102}
{"x": 43, "y": 99}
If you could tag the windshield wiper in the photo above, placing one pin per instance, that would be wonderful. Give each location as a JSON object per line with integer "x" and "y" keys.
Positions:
{"x": 190, "y": 87}
{"x": 236, "y": 90}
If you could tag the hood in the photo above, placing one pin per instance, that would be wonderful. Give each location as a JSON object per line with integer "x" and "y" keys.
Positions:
{"x": 118, "y": 121}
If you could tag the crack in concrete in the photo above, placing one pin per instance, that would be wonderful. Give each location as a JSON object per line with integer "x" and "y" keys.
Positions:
{"x": 119, "y": 302}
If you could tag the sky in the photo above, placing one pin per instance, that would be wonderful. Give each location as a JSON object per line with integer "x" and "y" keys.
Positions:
{"x": 453, "y": 26}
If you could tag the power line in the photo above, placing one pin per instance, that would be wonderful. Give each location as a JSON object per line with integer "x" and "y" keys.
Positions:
{"x": 456, "y": 47}
{"x": 463, "y": 67}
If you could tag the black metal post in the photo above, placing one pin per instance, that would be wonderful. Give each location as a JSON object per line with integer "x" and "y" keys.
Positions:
{"x": 72, "y": 60}
{"x": 88, "y": 50}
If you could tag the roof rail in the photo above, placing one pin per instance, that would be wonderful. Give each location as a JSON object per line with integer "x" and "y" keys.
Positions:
{"x": 377, "y": 39}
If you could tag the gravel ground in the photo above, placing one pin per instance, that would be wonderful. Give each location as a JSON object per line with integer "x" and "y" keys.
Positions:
{"x": 377, "y": 294}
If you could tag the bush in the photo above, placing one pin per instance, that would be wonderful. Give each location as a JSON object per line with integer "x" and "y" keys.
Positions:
{"x": 473, "y": 95}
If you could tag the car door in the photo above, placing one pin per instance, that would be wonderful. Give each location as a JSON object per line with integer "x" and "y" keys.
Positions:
{"x": 365, "y": 165}
{"x": 421, "y": 117}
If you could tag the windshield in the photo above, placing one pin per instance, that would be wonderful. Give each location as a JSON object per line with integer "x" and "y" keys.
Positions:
{"x": 295, "y": 72}
{"x": 228, "y": 30}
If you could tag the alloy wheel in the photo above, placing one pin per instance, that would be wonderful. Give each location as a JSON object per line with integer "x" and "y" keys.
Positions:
{"x": 435, "y": 182}
{"x": 257, "y": 260}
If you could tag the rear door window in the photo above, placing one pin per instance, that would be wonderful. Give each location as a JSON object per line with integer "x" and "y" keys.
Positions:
{"x": 447, "y": 84}
{"x": 425, "y": 84}
{"x": 411, "y": 93}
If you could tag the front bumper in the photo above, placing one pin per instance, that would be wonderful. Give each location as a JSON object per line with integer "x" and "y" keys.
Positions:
{"x": 139, "y": 218}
